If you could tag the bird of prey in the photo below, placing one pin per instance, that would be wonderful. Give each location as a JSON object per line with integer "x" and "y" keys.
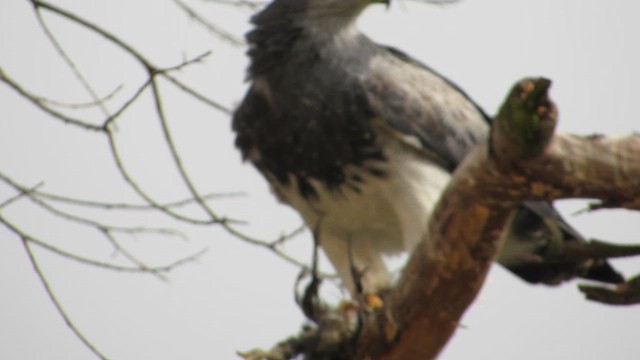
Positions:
{"x": 361, "y": 140}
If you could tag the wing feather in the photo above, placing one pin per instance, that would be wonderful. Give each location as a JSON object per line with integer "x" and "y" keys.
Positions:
{"x": 420, "y": 103}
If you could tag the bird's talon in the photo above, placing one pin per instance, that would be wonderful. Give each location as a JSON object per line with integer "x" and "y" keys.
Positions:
{"x": 373, "y": 302}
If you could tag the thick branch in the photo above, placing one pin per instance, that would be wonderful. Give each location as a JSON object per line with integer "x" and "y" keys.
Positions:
{"x": 523, "y": 161}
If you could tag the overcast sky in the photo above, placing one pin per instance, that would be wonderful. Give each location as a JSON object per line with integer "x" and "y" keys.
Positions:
{"x": 239, "y": 296}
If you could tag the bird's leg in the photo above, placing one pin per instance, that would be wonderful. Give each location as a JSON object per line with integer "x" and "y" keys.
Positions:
{"x": 370, "y": 300}
{"x": 356, "y": 274}
{"x": 310, "y": 303}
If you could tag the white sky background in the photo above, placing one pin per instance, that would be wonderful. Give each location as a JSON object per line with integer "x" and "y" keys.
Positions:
{"x": 238, "y": 296}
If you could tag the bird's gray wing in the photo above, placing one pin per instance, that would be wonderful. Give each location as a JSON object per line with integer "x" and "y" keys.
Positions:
{"x": 406, "y": 58}
{"x": 424, "y": 106}
{"x": 420, "y": 104}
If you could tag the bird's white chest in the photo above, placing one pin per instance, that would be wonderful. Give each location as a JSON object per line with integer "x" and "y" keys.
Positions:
{"x": 389, "y": 213}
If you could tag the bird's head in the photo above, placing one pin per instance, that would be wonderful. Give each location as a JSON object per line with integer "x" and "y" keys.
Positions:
{"x": 307, "y": 13}
{"x": 338, "y": 8}
{"x": 285, "y": 27}
{"x": 334, "y": 14}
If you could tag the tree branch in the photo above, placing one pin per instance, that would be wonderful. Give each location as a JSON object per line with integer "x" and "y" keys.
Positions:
{"x": 522, "y": 161}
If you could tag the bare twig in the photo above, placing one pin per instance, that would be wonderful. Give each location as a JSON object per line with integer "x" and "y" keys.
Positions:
{"x": 189, "y": 90}
{"x": 83, "y": 220}
{"x": 176, "y": 157}
{"x": 125, "y": 206}
{"x": 146, "y": 63}
{"x": 143, "y": 194}
{"x": 58, "y": 305}
{"x": 87, "y": 261}
{"x": 211, "y": 27}
{"x": 129, "y": 256}
{"x": 627, "y": 293}
{"x": 112, "y": 117}
{"x": 253, "y": 5}
{"x": 90, "y": 104}
{"x": 70, "y": 63}
{"x": 37, "y": 101}
{"x": 270, "y": 245}
{"x": 18, "y": 196}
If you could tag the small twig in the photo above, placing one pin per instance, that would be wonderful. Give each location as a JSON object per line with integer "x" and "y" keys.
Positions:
{"x": 90, "y": 104}
{"x": 36, "y": 100}
{"x": 627, "y": 293}
{"x": 67, "y": 59}
{"x": 595, "y": 206}
{"x": 196, "y": 94}
{"x": 195, "y": 60}
{"x": 253, "y": 5}
{"x": 136, "y": 187}
{"x": 132, "y": 207}
{"x": 82, "y": 220}
{"x": 87, "y": 261}
{"x": 109, "y": 266}
{"x": 20, "y": 195}
{"x": 286, "y": 237}
{"x": 436, "y": 2}
{"x": 93, "y": 27}
{"x": 270, "y": 245}
{"x": 175, "y": 156}
{"x": 57, "y": 304}
{"x": 214, "y": 29}
{"x": 221, "y": 221}
{"x": 129, "y": 256}
{"x": 111, "y": 118}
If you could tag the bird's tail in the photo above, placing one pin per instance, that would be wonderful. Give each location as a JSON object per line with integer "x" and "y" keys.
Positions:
{"x": 540, "y": 247}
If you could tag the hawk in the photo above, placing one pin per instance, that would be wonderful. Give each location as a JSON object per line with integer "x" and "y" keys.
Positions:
{"x": 361, "y": 140}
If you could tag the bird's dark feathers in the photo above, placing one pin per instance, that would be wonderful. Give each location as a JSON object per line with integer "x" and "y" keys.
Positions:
{"x": 321, "y": 142}
{"x": 275, "y": 32}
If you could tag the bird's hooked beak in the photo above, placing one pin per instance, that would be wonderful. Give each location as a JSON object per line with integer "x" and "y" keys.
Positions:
{"x": 387, "y": 3}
